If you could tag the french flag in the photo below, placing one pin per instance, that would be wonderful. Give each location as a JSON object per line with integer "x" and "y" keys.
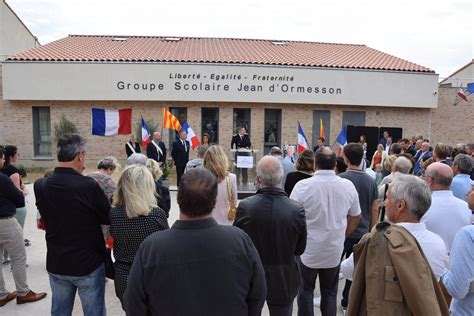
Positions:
{"x": 145, "y": 133}
{"x": 192, "y": 138}
{"x": 302, "y": 142}
{"x": 342, "y": 139}
{"x": 111, "y": 122}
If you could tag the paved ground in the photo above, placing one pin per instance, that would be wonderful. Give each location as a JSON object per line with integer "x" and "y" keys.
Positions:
{"x": 38, "y": 277}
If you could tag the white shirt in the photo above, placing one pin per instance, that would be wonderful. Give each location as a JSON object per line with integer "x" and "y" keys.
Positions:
{"x": 446, "y": 215}
{"x": 327, "y": 200}
{"x": 432, "y": 245}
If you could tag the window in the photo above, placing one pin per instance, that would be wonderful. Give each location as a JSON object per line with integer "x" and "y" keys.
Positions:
{"x": 318, "y": 116}
{"x": 354, "y": 118}
{"x": 272, "y": 131}
{"x": 42, "y": 131}
{"x": 241, "y": 119}
{"x": 210, "y": 124}
{"x": 181, "y": 114}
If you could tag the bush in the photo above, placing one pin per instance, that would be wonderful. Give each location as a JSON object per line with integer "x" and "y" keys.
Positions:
{"x": 63, "y": 127}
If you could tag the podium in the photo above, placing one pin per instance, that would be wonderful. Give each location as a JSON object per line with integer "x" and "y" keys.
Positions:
{"x": 244, "y": 162}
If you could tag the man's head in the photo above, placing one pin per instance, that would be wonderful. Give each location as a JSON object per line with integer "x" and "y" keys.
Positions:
{"x": 462, "y": 164}
{"x": 470, "y": 149}
{"x": 201, "y": 150}
{"x": 425, "y": 146}
{"x": 269, "y": 172}
{"x": 408, "y": 199}
{"x": 470, "y": 198}
{"x": 438, "y": 176}
{"x": 402, "y": 165}
{"x": 405, "y": 142}
{"x": 242, "y": 131}
{"x": 197, "y": 193}
{"x": 321, "y": 142}
{"x": 133, "y": 138}
{"x": 71, "y": 150}
{"x": 389, "y": 140}
{"x": 385, "y": 134}
{"x": 183, "y": 134}
{"x": 276, "y": 152}
{"x": 1, "y": 157}
{"x": 418, "y": 144}
{"x": 156, "y": 136}
{"x": 353, "y": 153}
{"x": 440, "y": 152}
{"x": 325, "y": 159}
{"x": 395, "y": 149}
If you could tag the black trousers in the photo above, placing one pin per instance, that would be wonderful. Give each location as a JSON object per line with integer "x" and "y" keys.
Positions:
{"x": 281, "y": 310}
{"x": 328, "y": 282}
{"x": 179, "y": 173}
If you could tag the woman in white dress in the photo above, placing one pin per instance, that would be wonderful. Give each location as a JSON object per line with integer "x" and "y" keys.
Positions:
{"x": 216, "y": 161}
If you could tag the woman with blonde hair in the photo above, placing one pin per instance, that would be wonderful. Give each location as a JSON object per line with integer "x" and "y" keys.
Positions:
{"x": 215, "y": 160}
{"x": 379, "y": 157}
{"x": 163, "y": 198}
{"x": 133, "y": 218}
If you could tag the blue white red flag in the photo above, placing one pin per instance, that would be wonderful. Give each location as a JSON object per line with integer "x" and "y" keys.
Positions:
{"x": 145, "y": 134}
{"x": 192, "y": 138}
{"x": 111, "y": 122}
{"x": 342, "y": 139}
{"x": 302, "y": 142}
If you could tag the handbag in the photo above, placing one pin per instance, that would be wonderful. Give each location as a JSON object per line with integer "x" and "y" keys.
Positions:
{"x": 232, "y": 209}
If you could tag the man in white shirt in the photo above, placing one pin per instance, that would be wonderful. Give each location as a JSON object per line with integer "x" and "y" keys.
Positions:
{"x": 332, "y": 213}
{"x": 388, "y": 145}
{"x": 408, "y": 199}
{"x": 447, "y": 213}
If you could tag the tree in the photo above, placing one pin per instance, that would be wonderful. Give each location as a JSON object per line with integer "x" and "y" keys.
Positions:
{"x": 64, "y": 126}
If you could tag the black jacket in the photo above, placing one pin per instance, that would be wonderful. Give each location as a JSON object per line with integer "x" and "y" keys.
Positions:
{"x": 136, "y": 146}
{"x": 277, "y": 227}
{"x": 243, "y": 142}
{"x": 10, "y": 197}
{"x": 164, "y": 201}
{"x": 196, "y": 268}
{"x": 152, "y": 153}
{"x": 179, "y": 154}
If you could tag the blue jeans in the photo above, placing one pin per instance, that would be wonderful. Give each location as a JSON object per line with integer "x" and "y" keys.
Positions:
{"x": 91, "y": 292}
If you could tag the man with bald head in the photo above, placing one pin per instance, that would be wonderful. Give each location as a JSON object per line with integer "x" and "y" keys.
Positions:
{"x": 447, "y": 214}
{"x": 421, "y": 155}
{"x": 277, "y": 227}
{"x": 156, "y": 149}
{"x": 332, "y": 211}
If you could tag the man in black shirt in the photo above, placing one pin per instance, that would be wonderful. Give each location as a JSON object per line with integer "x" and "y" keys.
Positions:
{"x": 277, "y": 226}
{"x": 73, "y": 207}
{"x": 11, "y": 239}
{"x": 197, "y": 267}
{"x": 180, "y": 154}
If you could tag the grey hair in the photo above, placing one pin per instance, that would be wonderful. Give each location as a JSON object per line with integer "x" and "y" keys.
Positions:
{"x": 69, "y": 146}
{"x": 464, "y": 163}
{"x": 415, "y": 192}
{"x": 201, "y": 150}
{"x": 439, "y": 178}
{"x": 108, "y": 163}
{"x": 403, "y": 165}
{"x": 270, "y": 171}
{"x": 137, "y": 159}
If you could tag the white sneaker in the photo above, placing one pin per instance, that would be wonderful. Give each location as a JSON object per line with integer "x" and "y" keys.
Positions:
{"x": 341, "y": 276}
{"x": 317, "y": 301}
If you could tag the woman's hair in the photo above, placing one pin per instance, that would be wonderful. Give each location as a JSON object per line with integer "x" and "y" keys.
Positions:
{"x": 379, "y": 146}
{"x": 108, "y": 163}
{"x": 388, "y": 162}
{"x": 305, "y": 161}
{"x": 215, "y": 160}
{"x": 8, "y": 152}
{"x": 135, "y": 191}
{"x": 208, "y": 137}
{"x": 154, "y": 168}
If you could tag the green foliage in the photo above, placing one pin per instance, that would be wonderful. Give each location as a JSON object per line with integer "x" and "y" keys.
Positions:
{"x": 166, "y": 168}
{"x": 63, "y": 127}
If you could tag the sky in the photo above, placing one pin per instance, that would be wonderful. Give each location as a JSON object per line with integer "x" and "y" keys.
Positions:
{"x": 438, "y": 34}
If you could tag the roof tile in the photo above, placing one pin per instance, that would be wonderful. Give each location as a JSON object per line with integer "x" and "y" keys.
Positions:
{"x": 215, "y": 50}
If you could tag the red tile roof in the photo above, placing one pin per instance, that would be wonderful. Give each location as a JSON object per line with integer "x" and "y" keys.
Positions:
{"x": 215, "y": 50}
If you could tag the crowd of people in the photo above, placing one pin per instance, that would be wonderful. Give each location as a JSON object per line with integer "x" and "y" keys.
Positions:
{"x": 398, "y": 228}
